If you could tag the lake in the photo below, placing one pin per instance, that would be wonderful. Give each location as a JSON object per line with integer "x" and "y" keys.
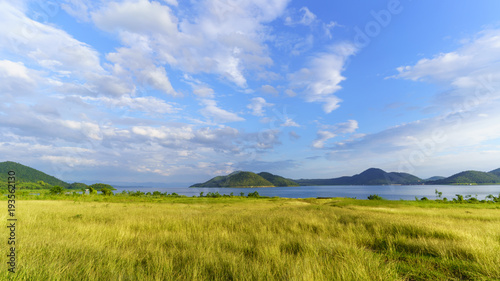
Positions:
{"x": 391, "y": 192}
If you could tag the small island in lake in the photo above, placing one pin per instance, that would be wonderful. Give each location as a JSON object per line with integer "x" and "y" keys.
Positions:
{"x": 247, "y": 179}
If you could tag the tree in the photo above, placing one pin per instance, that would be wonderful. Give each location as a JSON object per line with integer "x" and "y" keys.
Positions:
{"x": 56, "y": 190}
{"x": 99, "y": 186}
{"x": 374, "y": 197}
{"x": 438, "y": 193}
{"x": 106, "y": 191}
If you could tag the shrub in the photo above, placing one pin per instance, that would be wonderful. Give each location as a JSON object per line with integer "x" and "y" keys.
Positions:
{"x": 56, "y": 190}
{"x": 375, "y": 197}
{"x": 106, "y": 191}
{"x": 254, "y": 194}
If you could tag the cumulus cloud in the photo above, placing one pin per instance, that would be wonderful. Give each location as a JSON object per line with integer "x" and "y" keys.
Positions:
{"x": 257, "y": 106}
{"x": 320, "y": 80}
{"x": 224, "y": 38}
{"x": 16, "y": 78}
{"x": 211, "y": 110}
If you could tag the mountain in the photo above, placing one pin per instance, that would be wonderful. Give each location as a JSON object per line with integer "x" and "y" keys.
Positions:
{"x": 469, "y": 177}
{"x": 372, "y": 176}
{"x": 495, "y": 172}
{"x": 435, "y": 178}
{"x": 278, "y": 180}
{"x": 247, "y": 179}
{"x": 25, "y": 174}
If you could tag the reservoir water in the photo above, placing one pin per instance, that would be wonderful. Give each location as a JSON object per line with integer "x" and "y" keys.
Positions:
{"x": 391, "y": 192}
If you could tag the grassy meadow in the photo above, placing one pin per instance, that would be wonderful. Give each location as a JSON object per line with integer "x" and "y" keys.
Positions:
{"x": 254, "y": 239}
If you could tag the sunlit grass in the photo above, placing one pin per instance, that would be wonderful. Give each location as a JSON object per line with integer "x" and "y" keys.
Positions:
{"x": 255, "y": 239}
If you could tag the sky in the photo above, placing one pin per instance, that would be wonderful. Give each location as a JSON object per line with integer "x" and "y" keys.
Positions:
{"x": 176, "y": 92}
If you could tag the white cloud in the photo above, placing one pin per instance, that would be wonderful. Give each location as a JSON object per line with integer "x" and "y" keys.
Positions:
{"x": 140, "y": 16}
{"x": 471, "y": 73}
{"x": 218, "y": 114}
{"x": 321, "y": 79}
{"x": 328, "y": 26}
{"x": 79, "y": 9}
{"x": 150, "y": 105}
{"x": 16, "y": 78}
{"x": 288, "y": 122}
{"x": 204, "y": 92}
{"x": 331, "y": 131}
{"x": 257, "y": 106}
{"x": 306, "y": 18}
{"x": 268, "y": 89}
{"x": 221, "y": 37}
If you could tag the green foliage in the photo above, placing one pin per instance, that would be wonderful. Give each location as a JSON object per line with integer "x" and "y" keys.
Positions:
{"x": 106, "y": 191}
{"x": 25, "y": 174}
{"x": 99, "y": 186}
{"x": 375, "y": 197}
{"x": 56, "y": 190}
{"x": 266, "y": 239}
{"x": 278, "y": 180}
{"x": 78, "y": 185}
{"x": 254, "y": 194}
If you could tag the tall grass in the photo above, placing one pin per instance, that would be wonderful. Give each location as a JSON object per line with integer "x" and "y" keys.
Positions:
{"x": 254, "y": 239}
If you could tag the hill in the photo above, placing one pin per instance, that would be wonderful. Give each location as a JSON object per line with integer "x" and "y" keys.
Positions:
{"x": 25, "y": 174}
{"x": 435, "y": 178}
{"x": 469, "y": 177}
{"x": 495, "y": 172}
{"x": 278, "y": 180}
{"x": 372, "y": 176}
{"x": 247, "y": 179}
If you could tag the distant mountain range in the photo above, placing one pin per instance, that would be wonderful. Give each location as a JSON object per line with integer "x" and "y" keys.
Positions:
{"x": 374, "y": 176}
{"x": 31, "y": 178}
{"x": 470, "y": 177}
{"x": 247, "y": 179}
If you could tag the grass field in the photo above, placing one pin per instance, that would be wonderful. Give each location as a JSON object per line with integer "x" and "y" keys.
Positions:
{"x": 254, "y": 239}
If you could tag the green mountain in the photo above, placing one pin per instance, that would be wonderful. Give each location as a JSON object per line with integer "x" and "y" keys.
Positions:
{"x": 25, "y": 174}
{"x": 435, "y": 178}
{"x": 372, "y": 176}
{"x": 237, "y": 179}
{"x": 278, "y": 180}
{"x": 495, "y": 172}
{"x": 469, "y": 177}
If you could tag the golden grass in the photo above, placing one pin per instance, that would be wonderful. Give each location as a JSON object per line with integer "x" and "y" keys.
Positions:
{"x": 254, "y": 239}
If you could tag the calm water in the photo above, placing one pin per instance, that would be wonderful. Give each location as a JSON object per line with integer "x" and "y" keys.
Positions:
{"x": 406, "y": 192}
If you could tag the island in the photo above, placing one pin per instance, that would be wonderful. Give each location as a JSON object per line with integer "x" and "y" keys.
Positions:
{"x": 247, "y": 179}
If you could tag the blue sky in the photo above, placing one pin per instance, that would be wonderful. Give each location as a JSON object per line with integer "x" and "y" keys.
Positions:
{"x": 180, "y": 91}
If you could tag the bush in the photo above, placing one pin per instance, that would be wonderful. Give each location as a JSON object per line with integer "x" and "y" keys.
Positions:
{"x": 56, "y": 190}
{"x": 375, "y": 197}
{"x": 106, "y": 191}
{"x": 254, "y": 194}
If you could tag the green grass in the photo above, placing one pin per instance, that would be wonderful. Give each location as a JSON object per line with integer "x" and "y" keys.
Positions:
{"x": 235, "y": 238}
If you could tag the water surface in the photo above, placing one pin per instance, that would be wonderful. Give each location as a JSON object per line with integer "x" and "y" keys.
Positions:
{"x": 391, "y": 192}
